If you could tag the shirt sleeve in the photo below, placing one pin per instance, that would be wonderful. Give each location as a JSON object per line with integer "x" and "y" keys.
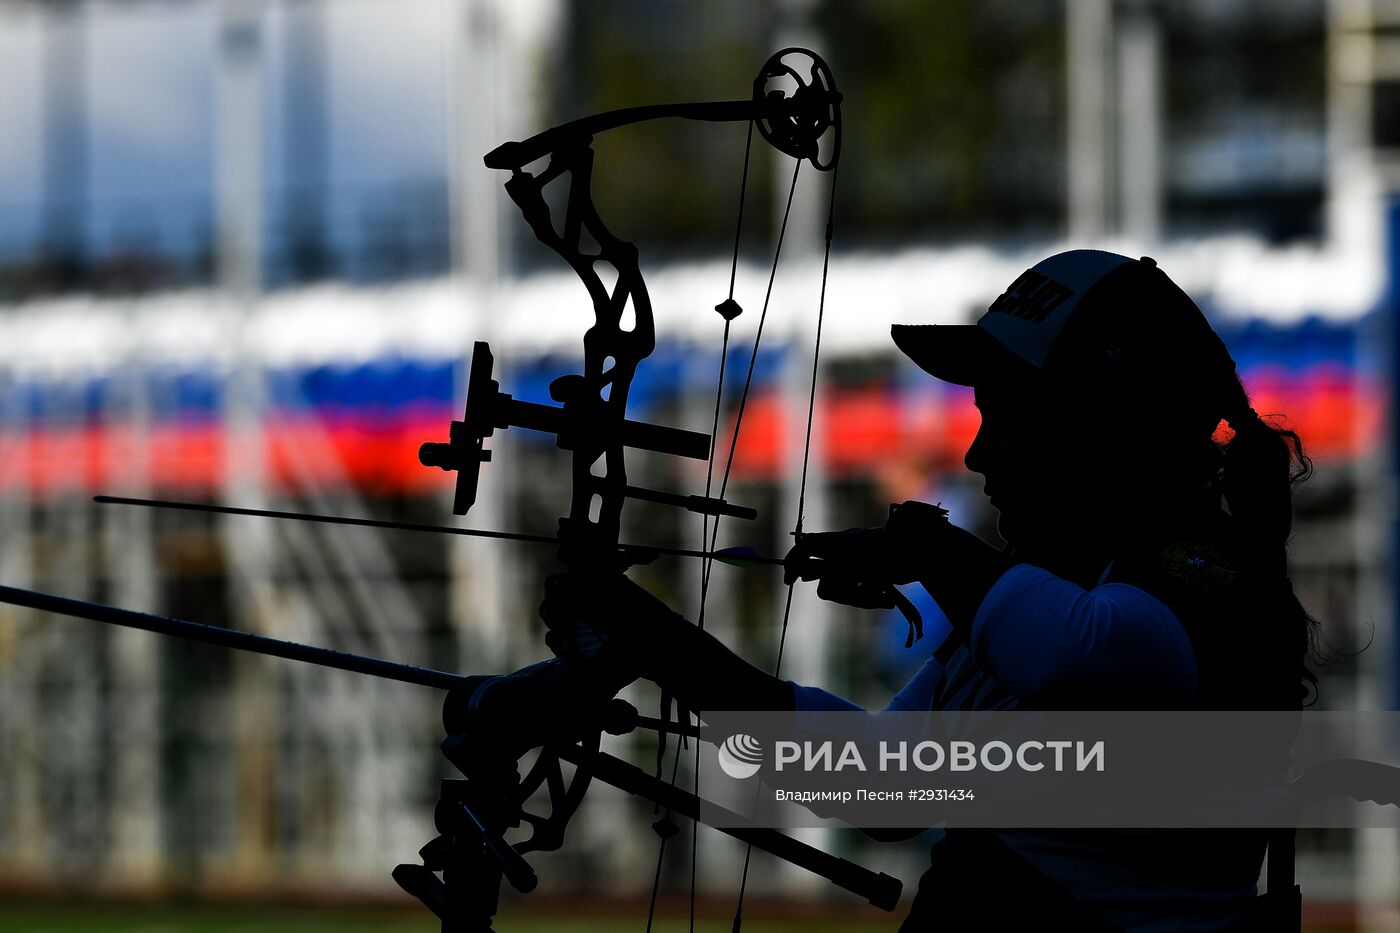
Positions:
{"x": 1045, "y": 638}
{"x": 915, "y": 696}
{"x": 817, "y": 700}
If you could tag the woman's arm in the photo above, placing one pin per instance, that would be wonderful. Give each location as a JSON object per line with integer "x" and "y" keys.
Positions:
{"x": 1043, "y": 637}
{"x": 704, "y": 674}
{"x": 641, "y": 635}
{"x": 957, "y": 568}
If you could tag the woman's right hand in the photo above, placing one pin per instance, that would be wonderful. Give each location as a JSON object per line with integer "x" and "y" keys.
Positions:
{"x": 859, "y": 566}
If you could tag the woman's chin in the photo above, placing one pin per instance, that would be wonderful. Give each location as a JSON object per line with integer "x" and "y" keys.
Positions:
{"x": 1006, "y": 528}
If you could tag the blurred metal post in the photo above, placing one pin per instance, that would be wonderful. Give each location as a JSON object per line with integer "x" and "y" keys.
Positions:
{"x": 807, "y": 652}
{"x": 479, "y": 572}
{"x": 134, "y": 713}
{"x": 238, "y": 154}
{"x": 239, "y": 205}
{"x": 1089, "y": 27}
{"x": 1377, "y": 531}
{"x": 70, "y": 797}
{"x": 65, "y": 138}
{"x": 22, "y": 829}
{"x": 1354, "y": 225}
{"x": 304, "y": 139}
{"x": 1363, "y": 214}
{"x": 1140, "y": 122}
{"x": 75, "y": 717}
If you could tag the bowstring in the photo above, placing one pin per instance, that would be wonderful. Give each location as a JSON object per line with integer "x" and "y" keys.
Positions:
{"x": 709, "y": 545}
{"x": 712, "y": 532}
{"x": 801, "y": 489}
{"x": 728, "y": 470}
{"x": 708, "y": 552}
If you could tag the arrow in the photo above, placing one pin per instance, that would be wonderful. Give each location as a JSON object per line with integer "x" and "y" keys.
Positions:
{"x": 733, "y": 556}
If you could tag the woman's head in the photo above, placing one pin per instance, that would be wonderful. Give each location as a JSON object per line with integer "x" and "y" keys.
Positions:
{"x": 1063, "y": 462}
{"x": 1100, "y": 385}
{"x": 1111, "y": 409}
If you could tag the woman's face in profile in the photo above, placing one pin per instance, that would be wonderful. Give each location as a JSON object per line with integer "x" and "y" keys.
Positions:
{"x": 1038, "y": 472}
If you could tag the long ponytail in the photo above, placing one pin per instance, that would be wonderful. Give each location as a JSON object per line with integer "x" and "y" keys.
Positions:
{"x": 1262, "y": 462}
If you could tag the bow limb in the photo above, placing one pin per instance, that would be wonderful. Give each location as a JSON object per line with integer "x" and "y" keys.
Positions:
{"x": 794, "y": 111}
{"x": 612, "y": 350}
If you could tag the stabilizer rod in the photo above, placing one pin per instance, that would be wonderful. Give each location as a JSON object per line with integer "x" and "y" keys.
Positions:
{"x": 230, "y": 638}
{"x": 878, "y": 888}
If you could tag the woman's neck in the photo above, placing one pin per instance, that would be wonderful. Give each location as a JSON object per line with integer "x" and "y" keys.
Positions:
{"x": 1070, "y": 556}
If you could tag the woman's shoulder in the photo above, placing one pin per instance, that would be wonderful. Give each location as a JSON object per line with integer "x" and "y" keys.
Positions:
{"x": 1202, "y": 570}
{"x": 1190, "y": 564}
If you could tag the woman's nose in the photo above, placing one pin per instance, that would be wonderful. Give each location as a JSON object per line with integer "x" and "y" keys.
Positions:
{"x": 976, "y": 456}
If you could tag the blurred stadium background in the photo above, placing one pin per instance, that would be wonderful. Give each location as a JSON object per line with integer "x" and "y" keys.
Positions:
{"x": 245, "y": 246}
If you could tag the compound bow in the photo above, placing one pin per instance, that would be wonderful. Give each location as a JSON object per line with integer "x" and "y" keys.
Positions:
{"x": 796, "y": 108}
{"x": 561, "y": 707}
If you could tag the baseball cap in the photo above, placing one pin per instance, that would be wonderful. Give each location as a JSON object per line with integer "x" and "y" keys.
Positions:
{"x": 1085, "y": 316}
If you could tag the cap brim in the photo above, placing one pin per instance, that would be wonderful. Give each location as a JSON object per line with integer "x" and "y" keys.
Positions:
{"x": 963, "y": 354}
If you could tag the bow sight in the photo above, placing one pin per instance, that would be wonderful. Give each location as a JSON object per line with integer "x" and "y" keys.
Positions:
{"x": 579, "y": 423}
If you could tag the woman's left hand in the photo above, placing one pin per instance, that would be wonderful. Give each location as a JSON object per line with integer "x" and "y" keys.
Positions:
{"x": 609, "y": 613}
